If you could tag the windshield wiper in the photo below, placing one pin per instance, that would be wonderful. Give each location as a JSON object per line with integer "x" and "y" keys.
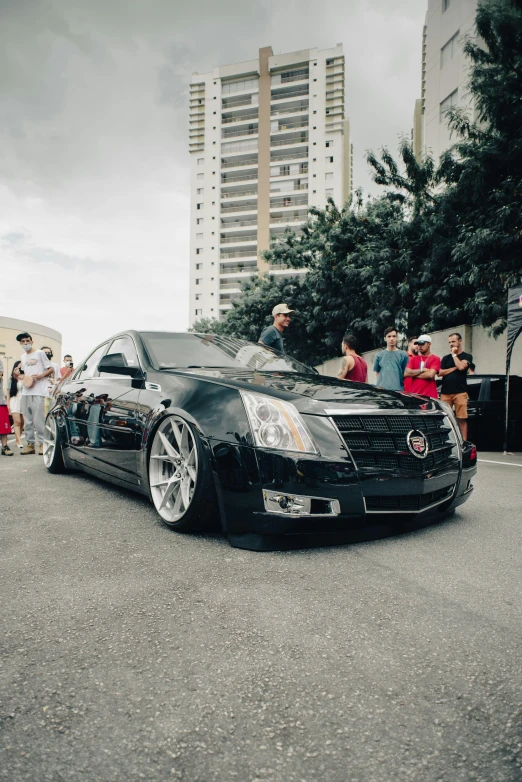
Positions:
{"x": 195, "y": 366}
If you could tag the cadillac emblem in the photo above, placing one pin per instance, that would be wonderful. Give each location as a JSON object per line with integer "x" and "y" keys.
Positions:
{"x": 417, "y": 443}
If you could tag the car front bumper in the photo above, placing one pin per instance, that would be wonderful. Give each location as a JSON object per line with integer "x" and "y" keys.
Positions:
{"x": 352, "y": 504}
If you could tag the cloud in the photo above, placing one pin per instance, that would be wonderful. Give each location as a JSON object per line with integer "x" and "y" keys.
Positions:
{"x": 94, "y": 164}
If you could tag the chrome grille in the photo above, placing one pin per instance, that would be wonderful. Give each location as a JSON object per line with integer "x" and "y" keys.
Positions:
{"x": 410, "y": 502}
{"x": 379, "y": 441}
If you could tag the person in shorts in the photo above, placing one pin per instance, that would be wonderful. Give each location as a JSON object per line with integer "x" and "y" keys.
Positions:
{"x": 36, "y": 368}
{"x": 454, "y": 368}
{"x": 5, "y": 426}
{"x": 14, "y": 401}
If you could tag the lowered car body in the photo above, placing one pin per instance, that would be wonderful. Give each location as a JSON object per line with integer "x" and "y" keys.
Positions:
{"x": 221, "y": 431}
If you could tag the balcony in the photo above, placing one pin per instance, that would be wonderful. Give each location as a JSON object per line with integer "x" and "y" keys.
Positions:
{"x": 293, "y": 108}
{"x": 289, "y": 92}
{"x": 243, "y": 177}
{"x": 288, "y": 200}
{"x": 237, "y": 193}
{"x": 240, "y": 118}
{"x": 285, "y": 191}
{"x": 235, "y": 103}
{"x": 238, "y": 162}
{"x": 285, "y": 141}
{"x": 244, "y": 269}
{"x": 287, "y": 155}
{"x": 289, "y": 217}
{"x": 239, "y": 253}
{"x": 239, "y": 238}
{"x": 278, "y": 266}
{"x": 228, "y": 224}
{"x": 234, "y": 133}
{"x": 284, "y": 171}
{"x": 227, "y": 299}
{"x": 290, "y": 125}
{"x": 247, "y": 206}
{"x": 299, "y": 74}
{"x": 230, "y": 286}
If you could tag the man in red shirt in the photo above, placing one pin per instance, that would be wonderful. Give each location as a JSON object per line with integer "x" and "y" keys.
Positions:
{"x": 423, "y": 368}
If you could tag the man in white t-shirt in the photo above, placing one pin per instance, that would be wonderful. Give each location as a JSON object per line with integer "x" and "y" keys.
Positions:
{"x": 34, "y": 364}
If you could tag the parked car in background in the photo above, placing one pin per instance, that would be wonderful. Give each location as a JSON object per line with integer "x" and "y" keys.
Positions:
{"x": 487, "y": 412}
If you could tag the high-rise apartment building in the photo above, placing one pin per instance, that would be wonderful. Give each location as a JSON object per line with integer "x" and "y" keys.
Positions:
{"x": 444, "y": 72}
{"x": 268, "y": 139}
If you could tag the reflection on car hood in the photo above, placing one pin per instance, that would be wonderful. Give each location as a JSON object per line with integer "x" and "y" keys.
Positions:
{"x": 315, "y": 393}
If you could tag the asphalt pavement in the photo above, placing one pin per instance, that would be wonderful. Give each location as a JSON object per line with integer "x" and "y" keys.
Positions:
{"x": 131, "y": 652}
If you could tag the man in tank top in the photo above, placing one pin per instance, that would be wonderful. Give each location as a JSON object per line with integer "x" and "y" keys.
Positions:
{"x": 353, "y": 366}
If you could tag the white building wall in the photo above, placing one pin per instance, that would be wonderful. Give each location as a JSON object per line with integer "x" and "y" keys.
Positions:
{"x": 445, "y": 73}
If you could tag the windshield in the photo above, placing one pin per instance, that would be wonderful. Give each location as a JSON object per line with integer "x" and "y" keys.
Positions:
{"x": 183, "y": 351}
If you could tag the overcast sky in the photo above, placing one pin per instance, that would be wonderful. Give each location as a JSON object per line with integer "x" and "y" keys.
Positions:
{"x": 94, "y": 163}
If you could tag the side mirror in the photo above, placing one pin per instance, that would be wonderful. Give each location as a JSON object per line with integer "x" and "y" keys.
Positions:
{"x": 116, "y": 364}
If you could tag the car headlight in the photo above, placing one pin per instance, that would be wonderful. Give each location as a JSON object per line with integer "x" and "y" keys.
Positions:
{"x": 276, "y": 424}
{"x": 453, "y": 421}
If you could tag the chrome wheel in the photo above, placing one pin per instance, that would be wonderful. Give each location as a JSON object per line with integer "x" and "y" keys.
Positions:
{"x": 50, "y": 442}
{"x": 173, "y": 469}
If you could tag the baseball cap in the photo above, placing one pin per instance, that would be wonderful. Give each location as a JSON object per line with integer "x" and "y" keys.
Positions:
{"x": 422, "y": 339}
{"x": 281, "y": 309}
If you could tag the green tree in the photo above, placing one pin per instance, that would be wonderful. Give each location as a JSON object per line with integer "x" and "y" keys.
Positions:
{"x": 208, "y": 326}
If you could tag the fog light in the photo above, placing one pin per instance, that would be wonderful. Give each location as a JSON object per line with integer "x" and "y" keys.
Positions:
{"x": 299, "y": 505}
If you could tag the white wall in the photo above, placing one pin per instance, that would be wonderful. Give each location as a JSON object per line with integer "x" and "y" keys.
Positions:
{"x": 442, "y": 81}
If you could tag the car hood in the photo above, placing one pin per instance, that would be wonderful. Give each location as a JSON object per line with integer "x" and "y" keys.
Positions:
{"x": 314, "y": 394}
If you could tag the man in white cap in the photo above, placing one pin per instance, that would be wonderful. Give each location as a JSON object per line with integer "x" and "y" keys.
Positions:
{"x": 271, "y": 337}
{"x": 423, "y": 369}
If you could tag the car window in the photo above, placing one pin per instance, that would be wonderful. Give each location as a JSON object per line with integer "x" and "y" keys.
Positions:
{"x": 173, "y": 351}
{"x": 89, "y": 366}
{"x": 126, "y": 346}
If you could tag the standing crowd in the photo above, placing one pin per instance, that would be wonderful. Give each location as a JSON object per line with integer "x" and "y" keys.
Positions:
{"x": 30, "y": 386}
{"x": 413, "y": 371}
{"x": 416, "y": 370}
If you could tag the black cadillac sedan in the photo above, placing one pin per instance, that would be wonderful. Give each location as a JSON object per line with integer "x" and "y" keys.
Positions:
{"x": 219, "y": 431}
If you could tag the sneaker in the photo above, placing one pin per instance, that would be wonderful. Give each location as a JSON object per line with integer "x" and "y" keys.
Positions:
{"x": 29, "y": 448}
{"x": 20, "y": 445}
{"x": 6, "y": 451}
{"x": 41, "y": 450}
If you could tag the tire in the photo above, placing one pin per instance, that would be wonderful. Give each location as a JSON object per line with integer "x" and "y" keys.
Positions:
{"x": 180, "y": 478}
{"x": 53, "y": 456}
